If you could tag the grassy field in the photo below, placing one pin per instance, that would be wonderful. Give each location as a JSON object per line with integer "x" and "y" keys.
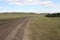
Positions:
{"x": 13, "y": 16}
{"x": 44, "y": 28}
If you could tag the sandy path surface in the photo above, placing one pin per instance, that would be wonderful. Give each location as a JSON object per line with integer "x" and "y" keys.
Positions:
{"x": 14, "y": 30}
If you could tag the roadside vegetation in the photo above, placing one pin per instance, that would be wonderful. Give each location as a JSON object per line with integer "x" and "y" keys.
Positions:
{"x": 45, "y": 28}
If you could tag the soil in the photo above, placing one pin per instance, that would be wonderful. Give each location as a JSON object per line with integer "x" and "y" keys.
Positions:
{"x": 14, "y": 30}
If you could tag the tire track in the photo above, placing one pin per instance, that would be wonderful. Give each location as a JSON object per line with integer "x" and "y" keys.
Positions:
{"x": 11, "y": 36}
{"x": 7, "y": 28}
{"x": 20, "y": 33}
{"x": 26, "y": 35}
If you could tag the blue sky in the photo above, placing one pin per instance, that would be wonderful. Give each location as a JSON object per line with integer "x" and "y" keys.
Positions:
{"x": 30, "y": 6}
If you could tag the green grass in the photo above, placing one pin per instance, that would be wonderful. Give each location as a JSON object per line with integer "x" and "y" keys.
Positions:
{"x": 14, "y": 15}
{"x": 43, "y": 28}
{"x": 6, "y": 17}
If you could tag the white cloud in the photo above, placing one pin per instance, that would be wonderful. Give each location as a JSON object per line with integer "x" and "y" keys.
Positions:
{"x": 47, "y": 3}
{"x": 31, "y": 2}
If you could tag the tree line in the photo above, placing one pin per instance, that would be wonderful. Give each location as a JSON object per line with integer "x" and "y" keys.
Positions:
{"x": 53, "y": 15}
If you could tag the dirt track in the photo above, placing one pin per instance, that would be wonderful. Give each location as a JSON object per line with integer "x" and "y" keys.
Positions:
{"x": 14, "y": 30}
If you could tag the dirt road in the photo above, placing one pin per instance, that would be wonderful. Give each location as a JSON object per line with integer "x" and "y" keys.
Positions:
{"x": 14, "y": 30}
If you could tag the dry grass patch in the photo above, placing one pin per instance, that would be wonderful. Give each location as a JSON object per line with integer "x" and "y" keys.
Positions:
{"x": 43, "y": 28}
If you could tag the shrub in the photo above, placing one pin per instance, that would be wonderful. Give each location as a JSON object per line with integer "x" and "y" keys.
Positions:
{"x": 53, "y": 15}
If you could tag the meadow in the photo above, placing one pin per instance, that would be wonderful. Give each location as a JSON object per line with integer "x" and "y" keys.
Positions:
{"x": 45, "y": 28}
{"x": 12, "y": 16}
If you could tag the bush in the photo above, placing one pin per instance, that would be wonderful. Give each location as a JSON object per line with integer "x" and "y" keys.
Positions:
{"x": 53, "y": 15}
